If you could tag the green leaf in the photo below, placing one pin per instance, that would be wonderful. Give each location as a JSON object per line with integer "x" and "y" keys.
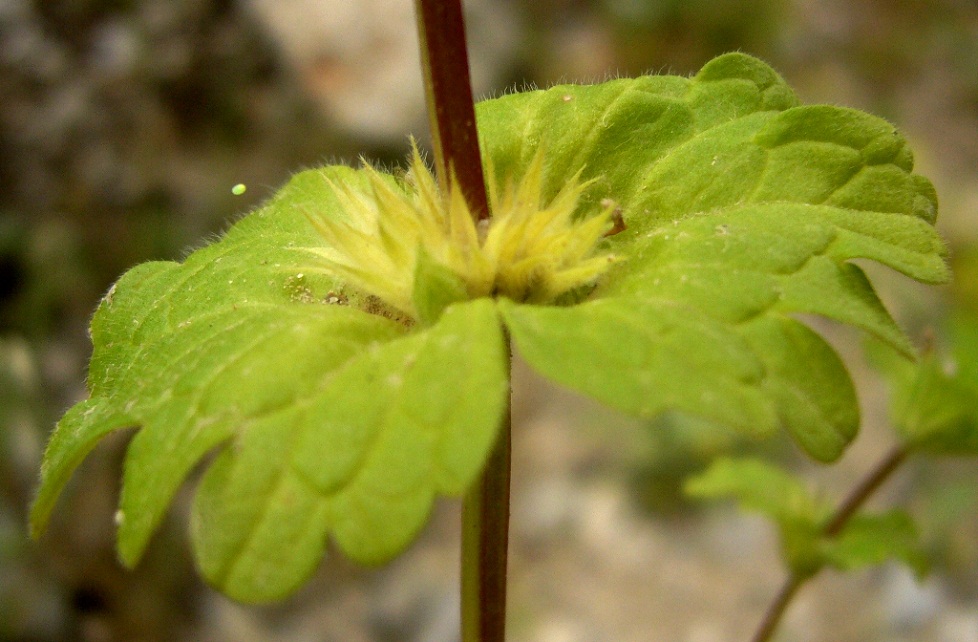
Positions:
{"x": 963, "y": 333}
{"x": 626, "y": 356}
{"x": 76, "y": 434}
{"x": 435, "y": 288}
{"x": 363, "y": 459}
{"x": 759, "y": 486}
{"x": 329, "y": 418}
{"x": 934, "y": 400}
{"x": 764, "y": 488}
{"x": 870, "y": 540}
{"x": 937, "y": 412}
{"x": 743, "y": 210}
{"x": 866, "y": 540}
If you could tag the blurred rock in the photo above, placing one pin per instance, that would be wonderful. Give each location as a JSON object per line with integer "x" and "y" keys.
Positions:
{"x": 360, "y": 59}
{"x": 958, "y": 625}
{"x": 908, "y": 603}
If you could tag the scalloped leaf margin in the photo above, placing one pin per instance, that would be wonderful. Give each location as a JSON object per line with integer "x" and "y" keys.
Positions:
{"x": 743, "y": 209}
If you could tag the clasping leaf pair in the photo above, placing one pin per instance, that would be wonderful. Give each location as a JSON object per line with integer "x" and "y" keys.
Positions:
{"x": 341, "y": 350}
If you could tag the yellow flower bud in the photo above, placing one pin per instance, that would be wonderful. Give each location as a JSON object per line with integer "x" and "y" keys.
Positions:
{"x": 528, "y": 250}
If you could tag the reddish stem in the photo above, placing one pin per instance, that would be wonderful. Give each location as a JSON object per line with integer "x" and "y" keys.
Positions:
{"x": 849, "y": 506}
{"x": 485, "y": 508}
{"x": 451, "y": 112}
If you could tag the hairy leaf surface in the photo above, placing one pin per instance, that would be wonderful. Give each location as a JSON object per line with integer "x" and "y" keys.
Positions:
{"x": 329, "y": 419}
{"x": 743, "y": 210}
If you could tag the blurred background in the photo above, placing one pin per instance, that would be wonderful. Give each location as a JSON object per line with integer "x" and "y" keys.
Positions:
{"x": 125, "y": 123}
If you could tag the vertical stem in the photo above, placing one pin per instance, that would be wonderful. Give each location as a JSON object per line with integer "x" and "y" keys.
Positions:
{"x": 485, "y": 507}
{"x": 485, "y": 540}
{"x": 448, "y": 90}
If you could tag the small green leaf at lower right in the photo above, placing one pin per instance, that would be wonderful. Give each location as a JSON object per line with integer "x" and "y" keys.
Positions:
{"x": 871, "y": 539}
{"x": 934, "y": 400}
{"x": 866, "y": 539}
